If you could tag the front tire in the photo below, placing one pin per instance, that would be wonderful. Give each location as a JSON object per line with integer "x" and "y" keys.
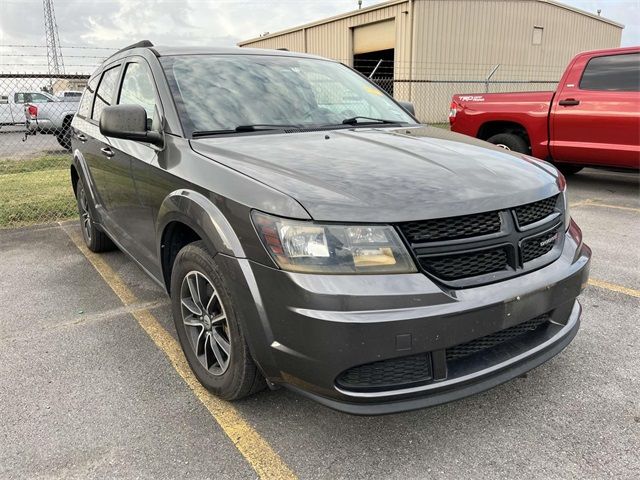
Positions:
{"x": 510, "y": 141}
{"x": 208, "y": 327}
{"x": 95, "y": 240}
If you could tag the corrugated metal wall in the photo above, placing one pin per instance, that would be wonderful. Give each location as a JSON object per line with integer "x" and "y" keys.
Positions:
{"x": 458, "y": 35}
{"x": 334, "y": 39}
{"x": 458, "y": 40}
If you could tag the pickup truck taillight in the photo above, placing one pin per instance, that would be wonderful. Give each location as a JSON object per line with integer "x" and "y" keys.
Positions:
{"x": 32, "y": 111}
{"x": 453, "y": 111}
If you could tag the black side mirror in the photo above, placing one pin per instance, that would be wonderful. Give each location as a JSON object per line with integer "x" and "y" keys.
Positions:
{"x": 128, "y": 122}
{"x": 408, "y": 106}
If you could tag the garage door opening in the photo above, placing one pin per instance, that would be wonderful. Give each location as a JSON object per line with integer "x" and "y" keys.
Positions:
{"x": 379, "y": 66}
{"x": 374, "y": 52}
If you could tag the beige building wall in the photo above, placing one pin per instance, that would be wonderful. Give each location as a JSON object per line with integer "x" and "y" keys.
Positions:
{"x": 460, "y": 40}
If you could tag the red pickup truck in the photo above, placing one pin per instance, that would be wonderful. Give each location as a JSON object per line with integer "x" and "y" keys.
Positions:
{"x": 592, "y": 119}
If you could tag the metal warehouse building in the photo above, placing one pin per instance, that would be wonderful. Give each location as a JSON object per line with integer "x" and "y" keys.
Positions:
{"x": 424, "y": 51}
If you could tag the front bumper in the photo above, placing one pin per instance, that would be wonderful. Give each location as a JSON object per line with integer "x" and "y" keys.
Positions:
{"x": 305, "y": 331}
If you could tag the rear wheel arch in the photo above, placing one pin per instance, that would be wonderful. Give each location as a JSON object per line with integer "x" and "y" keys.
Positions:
{"x": 74, "y": 178}
{"x": 490, "y": 129}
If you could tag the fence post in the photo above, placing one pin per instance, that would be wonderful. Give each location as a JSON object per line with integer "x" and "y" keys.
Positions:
{"x": 486, "y": 80}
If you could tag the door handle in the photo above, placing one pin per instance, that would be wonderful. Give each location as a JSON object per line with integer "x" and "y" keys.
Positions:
{"x": 81, "y": 137}
{"x": 569, "y": 102}
{"x": 107, "y": 152}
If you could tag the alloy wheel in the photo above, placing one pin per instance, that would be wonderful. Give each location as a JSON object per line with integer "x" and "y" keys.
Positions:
{"x": 205, "y": 322}
{"x": 85, "y": 214}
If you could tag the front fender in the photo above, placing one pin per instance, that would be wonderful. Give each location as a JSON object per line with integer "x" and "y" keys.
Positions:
{"x": 200, "y": 214}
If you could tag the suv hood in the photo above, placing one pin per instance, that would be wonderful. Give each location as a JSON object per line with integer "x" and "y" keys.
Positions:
{"x": 385, "y": 174}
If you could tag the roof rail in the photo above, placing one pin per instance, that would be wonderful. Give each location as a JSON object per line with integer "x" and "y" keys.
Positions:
{"x": 140, "y": 44}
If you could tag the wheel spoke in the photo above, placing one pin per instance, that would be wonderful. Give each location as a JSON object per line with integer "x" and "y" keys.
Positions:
{"x": 221, "y": 341}
{"x": 214, "y": 295}
{"x": 191, "y": 321}
{"x": 192, "y": 282}
{"x": 190, "y": 305}
{"x": 201, "y": 342}
{"x": 207, "y": 340}
{"x": 219, "y": 320}
{"x": 215, "y": 347}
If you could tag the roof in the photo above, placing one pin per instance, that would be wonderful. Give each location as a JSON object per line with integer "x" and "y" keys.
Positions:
{"x": 379, "y": 6}
{"x": 163, "y": 51}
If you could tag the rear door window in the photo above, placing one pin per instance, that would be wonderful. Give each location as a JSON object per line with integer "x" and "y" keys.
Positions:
{"x": 616, "y": 73}
{"x": 84, "y": 108}
{"x": 105, "y": 92}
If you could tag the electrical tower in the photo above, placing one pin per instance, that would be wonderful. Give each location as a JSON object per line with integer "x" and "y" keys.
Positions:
{"x": 54, "y": 52}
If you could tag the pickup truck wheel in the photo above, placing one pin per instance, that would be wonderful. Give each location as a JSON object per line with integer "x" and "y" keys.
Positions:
{"x": 95, "y": 239}
{"x": 568, "y": 169}
{"x": 208, "y": 327}
{"x": 510, "y": 141}
{"x": 63, "y": 136}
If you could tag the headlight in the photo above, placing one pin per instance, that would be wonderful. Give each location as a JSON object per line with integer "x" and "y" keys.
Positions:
{"x": 300, "y": 246}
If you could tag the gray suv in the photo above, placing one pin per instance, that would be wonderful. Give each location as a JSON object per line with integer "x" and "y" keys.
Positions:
{"x": 311, "y": 233}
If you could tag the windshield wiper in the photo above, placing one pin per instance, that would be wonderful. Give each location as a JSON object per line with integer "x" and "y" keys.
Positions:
{"x": 246, "y": 128}
{"x": 354, "y": 120}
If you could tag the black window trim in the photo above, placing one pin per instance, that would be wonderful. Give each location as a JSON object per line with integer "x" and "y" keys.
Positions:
{"x": 584, "y": 70}
{"x": 111, "y": 66}
{"x": 87, "y": 89}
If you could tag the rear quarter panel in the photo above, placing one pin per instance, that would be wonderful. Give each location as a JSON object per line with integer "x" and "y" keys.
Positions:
{"x": 527, "y": 109}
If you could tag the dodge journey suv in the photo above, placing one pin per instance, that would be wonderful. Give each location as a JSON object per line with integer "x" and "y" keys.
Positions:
{"x": 311, "y": 233}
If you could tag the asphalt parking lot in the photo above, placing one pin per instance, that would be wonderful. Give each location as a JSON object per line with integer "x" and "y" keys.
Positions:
{"x": 12, "y": 146}
{"x": 92, "y": 385}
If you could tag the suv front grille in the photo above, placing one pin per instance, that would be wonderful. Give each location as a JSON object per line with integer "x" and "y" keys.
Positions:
{"x": 452, "y": 228}
{"x": 495, "y": 339}
{"x": 486, "y": 247}
{"x": 388, "y": 374}
{"x": 466, "y": 265}
{"x": 536, "y": 211}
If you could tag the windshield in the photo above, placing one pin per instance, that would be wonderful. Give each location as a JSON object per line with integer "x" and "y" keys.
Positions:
{"x": 219, "y": 93}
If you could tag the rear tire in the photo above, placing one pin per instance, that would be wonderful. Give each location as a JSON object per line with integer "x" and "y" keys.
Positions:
{"x": 95, "y": 240}
{"x": 63, "y": 136}
{"x": 208, "y": 326}
{"x": 567, "y": 169}
{"x": 510, "y": 141}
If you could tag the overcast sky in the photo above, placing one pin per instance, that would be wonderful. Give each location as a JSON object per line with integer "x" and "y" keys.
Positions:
{"x": 114, "y": 23}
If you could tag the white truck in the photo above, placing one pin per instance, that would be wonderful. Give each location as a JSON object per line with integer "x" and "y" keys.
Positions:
{"x": 52, "y": 118}
{"x": 12, "y": 106}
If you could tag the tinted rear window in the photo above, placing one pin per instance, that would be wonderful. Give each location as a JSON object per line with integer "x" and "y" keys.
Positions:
{"x": 84, "y": 108}
{"x": 619, "y": 73}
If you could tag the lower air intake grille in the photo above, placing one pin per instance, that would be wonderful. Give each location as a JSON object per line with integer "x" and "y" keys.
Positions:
{"x": 453, "y": 267}
{"x": 535, "y": 247}
{"x": 495, "y": 339}
{"x": 388, "y": 374}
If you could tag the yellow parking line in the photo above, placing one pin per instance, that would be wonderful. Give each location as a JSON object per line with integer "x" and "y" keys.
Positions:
{"x": 614, "y": 288}
{"x": 264, "y": 460}
{"x": 593, "y": 203}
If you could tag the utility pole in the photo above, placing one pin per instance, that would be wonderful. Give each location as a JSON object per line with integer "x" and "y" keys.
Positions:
{"x": 54, "y": 52}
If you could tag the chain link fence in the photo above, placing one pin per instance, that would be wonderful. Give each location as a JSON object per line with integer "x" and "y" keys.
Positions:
{"x": 35, "y": 117}
{"x": 36, "y": 110}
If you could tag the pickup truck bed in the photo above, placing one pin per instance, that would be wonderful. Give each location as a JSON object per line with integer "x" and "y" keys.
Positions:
{"x": 592, "y": 119}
